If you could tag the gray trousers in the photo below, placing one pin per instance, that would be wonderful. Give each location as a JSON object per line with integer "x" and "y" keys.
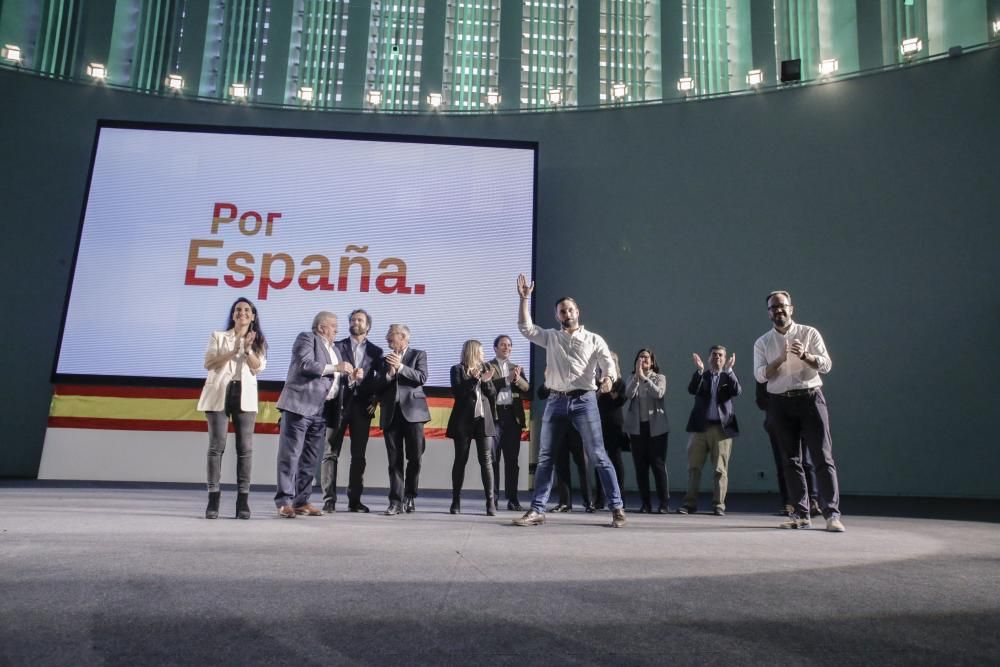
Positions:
{"x": 218, "y": 425}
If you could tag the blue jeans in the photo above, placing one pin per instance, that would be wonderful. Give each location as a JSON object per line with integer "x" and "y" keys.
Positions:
{"x": 561, "y": 413}
{"x": 299, "y": 444}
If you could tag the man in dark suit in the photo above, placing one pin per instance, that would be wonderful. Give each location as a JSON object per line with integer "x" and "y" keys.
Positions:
{"x": 398, "y": 380}
{"x": 712, "y": 426}
{"x": 353, "y": 409}
{"x": 313, "y": 379}
{"x": 511, "y": 389}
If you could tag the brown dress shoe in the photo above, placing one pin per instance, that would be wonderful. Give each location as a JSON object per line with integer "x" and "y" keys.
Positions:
{"x": 308, "y": 510}
{"x": 286, "y": 512}
{"x": 617, "y": 518}
{"x": 530, "y": 518}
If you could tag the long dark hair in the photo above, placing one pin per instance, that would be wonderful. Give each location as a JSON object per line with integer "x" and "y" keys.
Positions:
{"x": 652, "y": 359}
{"x": 260, "y": 343}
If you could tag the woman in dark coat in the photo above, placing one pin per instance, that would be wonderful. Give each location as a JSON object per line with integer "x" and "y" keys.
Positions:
{"x": 472, "y": 419}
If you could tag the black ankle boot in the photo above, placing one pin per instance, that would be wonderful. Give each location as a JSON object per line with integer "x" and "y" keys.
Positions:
{"x": 242, "y": 505}
{"x": 456, "y": 503}
{"x": 212, "y": 511}
{"x": 491, "y": 506}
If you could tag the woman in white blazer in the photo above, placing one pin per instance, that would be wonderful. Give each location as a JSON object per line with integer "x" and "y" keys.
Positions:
{"x": 233, "y": 359}
{"x": 646, "y": 423}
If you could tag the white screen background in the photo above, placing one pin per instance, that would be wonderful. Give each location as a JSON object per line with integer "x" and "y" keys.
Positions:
{"x": 461, "y": 217}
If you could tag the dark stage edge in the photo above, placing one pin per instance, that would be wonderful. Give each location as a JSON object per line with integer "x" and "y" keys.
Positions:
{"x": 126, "y": 574}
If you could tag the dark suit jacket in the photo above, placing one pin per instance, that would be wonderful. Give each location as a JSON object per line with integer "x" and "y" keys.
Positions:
{"x": 407, "y": 385}
{"x": 337, "y": 409}
{"x": 463, "y": 413}
{"x": 701, "y": 387}
{"x": 306, "y": 387}
{"x": 520, "y": 391}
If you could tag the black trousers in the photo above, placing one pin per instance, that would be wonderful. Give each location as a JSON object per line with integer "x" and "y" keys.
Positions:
{"x": 359, "y": 422}
{"x": 650, "y": 453}
{"x": 779, "y": 468}
{"x": 404, "y": 438}
{"x": 506, "y": 445}
{"x": 484, "y": 446}
{"x": 802, "y": 423}
{"x": 614, "y": 441}
{"x": 571, "y": 445}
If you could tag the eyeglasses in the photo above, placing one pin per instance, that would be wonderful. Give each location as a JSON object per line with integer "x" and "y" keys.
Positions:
{"x": 780, "y": 306}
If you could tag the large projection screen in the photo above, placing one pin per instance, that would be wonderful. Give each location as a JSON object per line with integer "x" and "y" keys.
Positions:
{"x": 180, "y": 221}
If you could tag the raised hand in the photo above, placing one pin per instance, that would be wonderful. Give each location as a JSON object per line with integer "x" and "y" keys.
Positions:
{"x": 524, "y": 288}
{"x": 797, "y": 348}
{"x": 487, "y": 375}
{"x": 249, "y": 339}
{"x": 699, "y": 364}
{"x": 731, "y": 362}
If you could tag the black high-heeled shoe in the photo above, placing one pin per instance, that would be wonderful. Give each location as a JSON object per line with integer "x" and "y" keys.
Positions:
{"x": 491, "y": 506}
{"x": 212, "y": 511}
{"x": 456, "y": 506}
{"x": 242, "y": 505}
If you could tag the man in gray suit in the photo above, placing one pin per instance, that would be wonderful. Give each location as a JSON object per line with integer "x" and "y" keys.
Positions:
{"x": 314, "y": 376}
{"x": 399, "y": 379}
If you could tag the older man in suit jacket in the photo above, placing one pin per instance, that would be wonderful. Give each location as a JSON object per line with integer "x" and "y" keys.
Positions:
{"x": 314, "y": 377}
{"x": 712, "y": 426}
{"x": 352, "y": 408}
{"x": 398, "y": 379}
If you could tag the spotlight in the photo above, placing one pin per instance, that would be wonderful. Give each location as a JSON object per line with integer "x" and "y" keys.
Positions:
{"x": 755, "y": 77}
{"x": 685, "y": 84}
{"x": 829, "y": 66}
{"x": 11, "y": 53}
{"x": 374, "y": 97}
{"x": 97, "y": 71}
{"x": 435, "y": 100}
{"x": 911, "y": 47}
{"x": 492, "y": 98}
{"x": 996, "y": 29}
{"x": 618, "y": 91}
{"x": 175, "y": 82}
{"x": 306, "y": 94}
{"x": 555, "y": 96}
{"x": 238, "y": 91}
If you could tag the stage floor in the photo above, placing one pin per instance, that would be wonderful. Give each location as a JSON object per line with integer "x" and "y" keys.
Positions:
{"x": 120, "y": 574}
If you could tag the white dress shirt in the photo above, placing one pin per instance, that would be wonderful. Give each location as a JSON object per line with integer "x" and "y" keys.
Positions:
{"x": 571, "y": 360}
{"x": 359, "y": 356}
{"x": 331, "y": 369}
{"x": 794, "y": 373}
{"x": 505, "y": 396}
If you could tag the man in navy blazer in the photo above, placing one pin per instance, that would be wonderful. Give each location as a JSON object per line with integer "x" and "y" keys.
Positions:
{"x": 398, "y": 379}
{"x": 313, "y": 378}
{"x": 352, "y": 408}
{"x": 712, "y": 426}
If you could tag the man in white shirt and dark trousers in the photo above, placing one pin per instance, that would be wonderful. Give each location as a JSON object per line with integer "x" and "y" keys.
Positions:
{"x": 790, "y": 358}
{"x": 573, "y": 357}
